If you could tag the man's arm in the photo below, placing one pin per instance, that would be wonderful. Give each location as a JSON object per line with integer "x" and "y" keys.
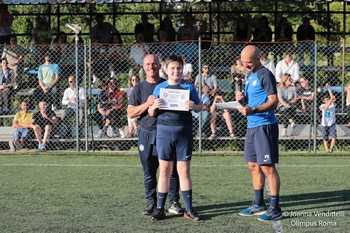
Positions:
{"x": 57, "y": 78}
{"x": 135, "y": 111}
{"x": 17, "y": 125}
{"x": 213, "y": 91}
{"x": 270, "y": 105}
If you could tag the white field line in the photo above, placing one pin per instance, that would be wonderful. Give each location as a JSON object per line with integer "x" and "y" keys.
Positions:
{"x": 192, "y": 165}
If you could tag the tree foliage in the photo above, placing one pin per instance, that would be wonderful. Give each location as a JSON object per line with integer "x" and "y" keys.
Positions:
{"x": 221, "y": 21}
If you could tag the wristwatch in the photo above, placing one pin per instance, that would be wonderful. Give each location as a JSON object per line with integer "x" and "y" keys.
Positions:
{"x": 253, "y": 109}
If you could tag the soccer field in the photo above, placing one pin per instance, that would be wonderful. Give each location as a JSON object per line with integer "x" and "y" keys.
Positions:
{"x": 61, "y": 193}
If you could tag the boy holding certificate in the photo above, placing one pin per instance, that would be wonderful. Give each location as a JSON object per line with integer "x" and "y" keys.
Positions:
{"x": 174, "y": 136}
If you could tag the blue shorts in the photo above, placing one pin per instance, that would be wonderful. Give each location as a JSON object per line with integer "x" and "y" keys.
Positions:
{"x": 174, "y": 142}
{"x": 329, "y": 132}
{"x": 261, "y": 145}
{"x": 22, "y": 133}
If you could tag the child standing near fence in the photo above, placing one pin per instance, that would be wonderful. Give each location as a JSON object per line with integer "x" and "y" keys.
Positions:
{"x": 328, "y": 122}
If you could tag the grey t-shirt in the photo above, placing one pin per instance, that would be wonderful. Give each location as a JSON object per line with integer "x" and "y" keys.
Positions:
{"x": 208, "y": 81}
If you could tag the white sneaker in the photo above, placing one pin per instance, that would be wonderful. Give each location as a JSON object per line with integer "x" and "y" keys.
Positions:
{"x": 122, "y": 134}
{"x": 53, "y": 107}
{"x": 94, "y": 79}
{"x": 12, "y": 146}
{"x": 292, "y": 123}
{"x": 284, "y": 133}
{"x": 100, "y": 134}
{"x": 112, "y": 74}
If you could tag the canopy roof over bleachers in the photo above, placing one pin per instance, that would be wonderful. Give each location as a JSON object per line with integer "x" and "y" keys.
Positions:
{"x": 136, "y": 1}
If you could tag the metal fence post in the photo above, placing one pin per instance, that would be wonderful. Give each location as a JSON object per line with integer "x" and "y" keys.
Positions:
{"x": 87, "y": 86}
{"x": 200, "y": 95}
{"x": 343, "y": 74}
{"x": 315, "y": 97}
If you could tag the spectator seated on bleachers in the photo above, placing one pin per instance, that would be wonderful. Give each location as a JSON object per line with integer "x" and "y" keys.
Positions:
{"x": 6, "y": 75}
{"x": 132, "y": 122}
{"x": 187, "y": 47}
{"x": 14, "y": 54}
{"x": 208, "y": 80}
{"x": 287, "y": 101}
{"x": 138, "y": 52}
{"x": 117, "y": 115}
{"x": 237, "y": 75}
{"x": 167, "y": 25}
{"x": 63, "y": 53}
{"x": 104, "y": 109}
{"x": 117, "y": 56}
{"x": 214, "y": 113}
{"x": 146, "y": 28}
{"x": 45, "y": 118}
{"x": 103, "y": 31}
{"x": 306, "y": 94}
{"x": 22, "y": 122}
{"x": 70, "y": 100}
{"x": 99, "y": 63}
{"x": 187, "y": 70}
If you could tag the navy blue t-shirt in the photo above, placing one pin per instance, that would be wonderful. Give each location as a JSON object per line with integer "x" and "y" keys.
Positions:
{"x": 139, "y": 95}
{"x": 258, "y": 87}
{"x": 171, "y": 117}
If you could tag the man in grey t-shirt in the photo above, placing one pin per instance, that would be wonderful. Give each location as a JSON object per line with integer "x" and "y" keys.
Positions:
{"x": 209, "y": 81}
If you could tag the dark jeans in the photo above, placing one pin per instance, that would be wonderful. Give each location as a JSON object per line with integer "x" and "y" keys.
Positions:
{"x": 286, "y": 114}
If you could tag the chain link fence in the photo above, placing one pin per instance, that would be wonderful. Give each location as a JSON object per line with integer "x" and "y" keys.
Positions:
{"x": 106, "y": 74}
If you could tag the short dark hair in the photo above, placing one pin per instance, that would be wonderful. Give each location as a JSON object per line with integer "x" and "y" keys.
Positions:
{"x": 174, "y": 58}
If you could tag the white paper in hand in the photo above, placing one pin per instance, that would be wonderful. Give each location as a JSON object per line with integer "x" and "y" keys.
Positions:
{"x": 229, "y": 105}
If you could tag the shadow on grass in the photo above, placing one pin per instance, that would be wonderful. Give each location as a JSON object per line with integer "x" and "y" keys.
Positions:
{"x": 333, "y": 201}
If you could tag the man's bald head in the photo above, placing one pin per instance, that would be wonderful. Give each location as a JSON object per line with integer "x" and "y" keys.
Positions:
{"x": 151, "y": 66}
{"x": 150, "y": 57}
{"x": 250, "y": 58}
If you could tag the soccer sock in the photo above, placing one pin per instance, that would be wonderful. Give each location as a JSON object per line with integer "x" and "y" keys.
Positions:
{"x": 162, "y": 199}
{"x": 258, "y": 197}
{"x": 105, "y": 128}
{"x": 187, "y": 196}
{"x": 274, "y": 201}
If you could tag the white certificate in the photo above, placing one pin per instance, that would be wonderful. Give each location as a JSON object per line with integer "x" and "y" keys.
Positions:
{"x": 229, "y": 105}
{"x": 174, "y": 99}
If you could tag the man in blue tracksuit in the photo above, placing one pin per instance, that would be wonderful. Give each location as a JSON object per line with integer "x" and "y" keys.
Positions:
{"x": 261, "y": 144}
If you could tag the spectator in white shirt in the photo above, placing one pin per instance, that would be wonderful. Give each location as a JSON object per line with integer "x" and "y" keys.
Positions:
{"x": 288, "y": 65}
{"x": 187, "y": 70}
{"x": 265, "y": 61}
{"x": 138, "y": 52}
{"x": 70, "y": 100}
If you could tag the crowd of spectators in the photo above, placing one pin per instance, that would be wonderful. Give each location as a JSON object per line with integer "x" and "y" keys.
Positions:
{"x": 294, "y": 91}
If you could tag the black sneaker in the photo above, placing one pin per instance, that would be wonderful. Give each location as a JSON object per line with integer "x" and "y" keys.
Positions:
{"x": 191, "y": 214}
{"x": 150, "y": 208}
{"x": 158, "y": 214}
{"x": 175, "y": 208}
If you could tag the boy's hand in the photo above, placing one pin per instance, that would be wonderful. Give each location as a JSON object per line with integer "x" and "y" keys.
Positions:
{"x": 158, "y": 103}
